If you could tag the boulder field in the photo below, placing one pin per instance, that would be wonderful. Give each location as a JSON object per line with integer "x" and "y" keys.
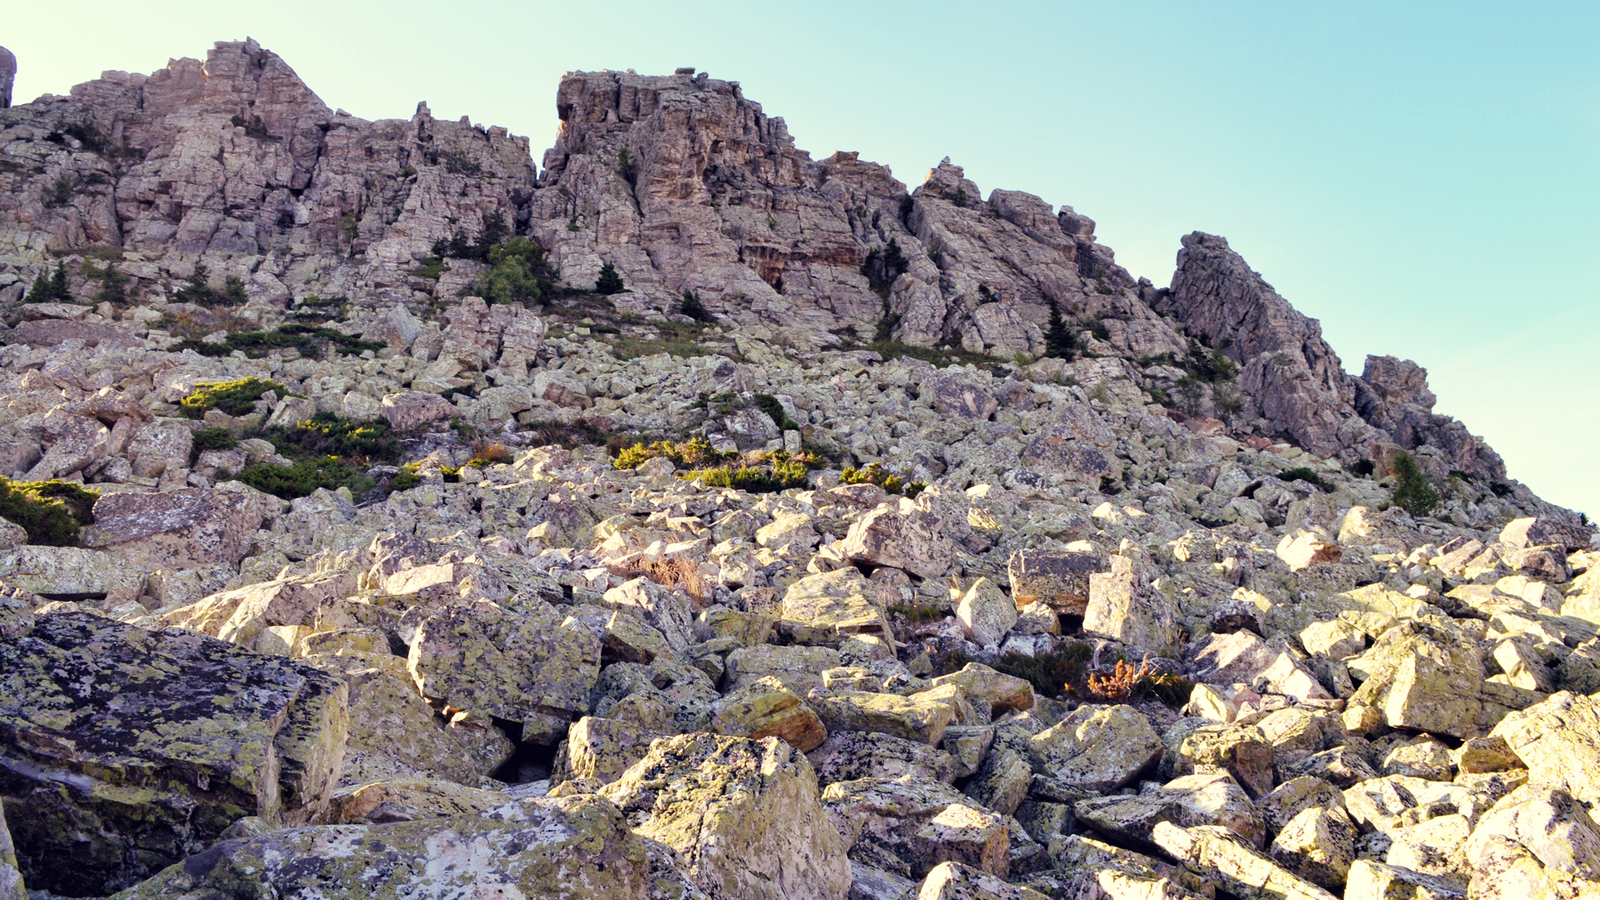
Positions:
{"x": 364, "y": 538}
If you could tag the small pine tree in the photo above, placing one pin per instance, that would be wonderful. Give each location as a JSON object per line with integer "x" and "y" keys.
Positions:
{"x": 609, "y": 282}
{"x": 1058, "y": 341}
{"x": 693, "y": 308}
{"x": 52, "y": 289}
{"x": 1412, "y": 491}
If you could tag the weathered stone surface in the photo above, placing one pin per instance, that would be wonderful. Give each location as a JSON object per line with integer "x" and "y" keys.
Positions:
{"x": 744, "y": 815}
{"x": 765, "y": 708}
{"x": 1210, "y": 849}
{"x": 1559, "y": 741}
{"x": 395, "y": 734}
{"x": 1536, "y": 841}
{"x": 1243, "y": 657}
{"x": 1096, "y": 749}
{"x": 180, "y": 529}
{"x": 568, "y": 848}
{"x": 1204, "y": 799}
{"x": 412, "y": 410}
{"x": 920, "y": 717}
{"x": 1295, "y": 796}
{"x": 996, "y": 691}
{"x": 1243, "y": 752}
{"x": 409, "y": 799}
{"x": 987, "y": 613}
{"x": 1318, "y": 844}
{"x": 12, "y": 886}
{"x": 1058, "y": 580}
{"x": 954, "y": 881}
{"x": 599, "y": 750}
{"x": 849, "y": 755}
{"x": 902, "y": 535}
{"x": 484, "y": 658}
{"x": 126, "y": 750}
{"x": 908, "y": 826}
{"x": 824, "y": 609}
{"x": 1124, "y": 608}
{"x": 1371, "y": 880}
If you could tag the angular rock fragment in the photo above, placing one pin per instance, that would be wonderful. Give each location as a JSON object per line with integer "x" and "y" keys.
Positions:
{"x": 126, "y": 750}
{"x": 562, "y": 848}
{"x": 744, "y": 816}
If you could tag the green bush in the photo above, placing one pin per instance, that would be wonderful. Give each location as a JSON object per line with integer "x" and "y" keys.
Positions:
{"x": 774, "y": 410}
{"x": 51, "y": 512}
{"x": 298, "y": 480}
{"x": 308, "y": 340}
{"x": 770, "y": 473}
{"x": 684, "y": 454}
{"x": 518, "y": 271}
{"x": 1307, "y": 475}
{"x": 876, "y": 474}
{"x": 1413, "y": 492}
{"x": 236, "y": 398}
{"x": 329, "y": 434}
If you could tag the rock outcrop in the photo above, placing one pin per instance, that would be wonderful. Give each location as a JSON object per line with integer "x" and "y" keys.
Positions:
{"x": 8, "y": 75}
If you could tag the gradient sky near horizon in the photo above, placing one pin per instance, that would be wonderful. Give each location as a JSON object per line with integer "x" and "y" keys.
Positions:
{"x": 1421, "y": 177}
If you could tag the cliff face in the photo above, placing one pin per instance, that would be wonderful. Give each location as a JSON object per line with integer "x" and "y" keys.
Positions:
{"x": 682, "y": 184}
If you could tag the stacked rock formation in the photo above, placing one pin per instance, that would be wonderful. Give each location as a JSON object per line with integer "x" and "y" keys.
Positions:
{"x": 1172, "y": 618}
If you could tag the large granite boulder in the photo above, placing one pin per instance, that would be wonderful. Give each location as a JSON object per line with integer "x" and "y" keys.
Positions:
{"x": 743, "y": 815}
{"x": 561, "y": 848}
{"x": 124, "y": 750}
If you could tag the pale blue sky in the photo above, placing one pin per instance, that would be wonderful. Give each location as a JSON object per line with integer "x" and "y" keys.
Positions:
{"x": 1421, "y": 177}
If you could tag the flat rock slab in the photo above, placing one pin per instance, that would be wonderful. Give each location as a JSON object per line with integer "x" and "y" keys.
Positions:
{"x": 558, "y": 848}
{"x": 123, "y": 750}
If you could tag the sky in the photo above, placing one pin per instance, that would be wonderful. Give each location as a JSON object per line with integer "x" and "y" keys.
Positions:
{"x": 1421, "y": 177}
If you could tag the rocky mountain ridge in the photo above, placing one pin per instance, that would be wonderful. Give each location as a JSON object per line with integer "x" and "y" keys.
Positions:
{"x": 360, "y": 595}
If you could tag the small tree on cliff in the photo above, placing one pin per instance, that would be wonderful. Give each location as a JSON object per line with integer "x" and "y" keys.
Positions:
{"x": 1412, "y": 490}
{"x": 609, "y": 282}
{"x": 1058, "y": 341}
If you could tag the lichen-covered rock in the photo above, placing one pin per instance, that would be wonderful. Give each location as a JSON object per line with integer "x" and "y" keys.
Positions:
{"x": 909, "y": 825}
{"x": 919, "y": 717}
{"x": 1203, "y": 799}
{"x": 568, "y": 848}
{"x": 1096, "y": 749}
{"x": 1371, "y": 880}
{"x": 1246, "y": 873}
{"x": 484, "y": 658}
{"x": 824, "y": 609}
{"x": 954, "y": 881}
{"x": 902, "y": 535}
{"x": 11, "y": 884}
{"x": 765, "y": 708}
{"x": 987, "y": 613}
{"x": 985, "y": 687}
{"x": 1125, "y": 608}
{"x": 1060, "y": 580}
{"x": 408, "y": 799}
{"x": 1559, "y": 741}
{"x": 395, "y": 734}
{"x": 1424, "y": 678}
{"x": 744, "y": 815}
{"x": 849, "y": 755}
{"x": 126, "y": 750}
{"x": 1537, "y": 841}
{"x": 1318, "y": 844}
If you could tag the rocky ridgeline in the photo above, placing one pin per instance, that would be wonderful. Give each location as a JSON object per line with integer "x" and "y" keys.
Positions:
{"x": 1085, "y": 645}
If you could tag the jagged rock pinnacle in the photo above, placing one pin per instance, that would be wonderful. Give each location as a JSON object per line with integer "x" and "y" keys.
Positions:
{"x": 8, "y": 72}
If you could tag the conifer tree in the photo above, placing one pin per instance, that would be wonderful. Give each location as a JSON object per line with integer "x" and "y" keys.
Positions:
{"x": 609, "y": 282}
